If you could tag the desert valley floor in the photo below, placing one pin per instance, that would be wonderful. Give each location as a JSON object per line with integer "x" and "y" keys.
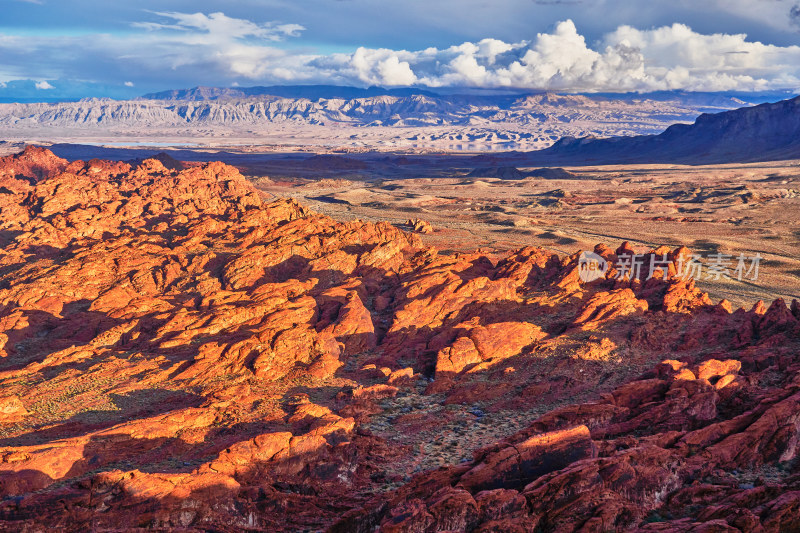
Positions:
{"x": 184, "y": 346}
{"x": 729, "y": 209}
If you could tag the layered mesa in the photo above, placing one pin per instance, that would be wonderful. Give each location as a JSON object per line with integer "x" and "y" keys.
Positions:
{"x": 178, "y": 352}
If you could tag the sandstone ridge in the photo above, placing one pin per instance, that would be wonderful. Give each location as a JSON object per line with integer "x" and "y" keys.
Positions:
{"x": 179, "y": 352}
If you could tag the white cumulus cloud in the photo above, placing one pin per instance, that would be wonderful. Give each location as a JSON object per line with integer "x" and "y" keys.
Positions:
{"x": 43, "y": 85}
{"x": 679, "y": 58}
{"x": 628, "y": 59}
{"x": 218, "y": 26}
{"x": 184, "y": 49}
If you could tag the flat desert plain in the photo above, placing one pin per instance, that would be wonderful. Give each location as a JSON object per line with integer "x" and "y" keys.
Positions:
{"x": 727, "y": 209}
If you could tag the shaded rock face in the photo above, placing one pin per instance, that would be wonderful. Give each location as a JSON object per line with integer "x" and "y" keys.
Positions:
{"x": 178, "y": 352}
{"x": 505, "y": 173}
{"x": 766, "y": 132}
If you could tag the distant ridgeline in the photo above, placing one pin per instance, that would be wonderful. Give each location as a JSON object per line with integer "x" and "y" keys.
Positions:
{"x": 766, "y": 132}
{"x": 572, "y": 128}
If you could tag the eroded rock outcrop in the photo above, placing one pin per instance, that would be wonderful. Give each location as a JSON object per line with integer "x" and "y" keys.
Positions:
{"x": 178, "y": 352}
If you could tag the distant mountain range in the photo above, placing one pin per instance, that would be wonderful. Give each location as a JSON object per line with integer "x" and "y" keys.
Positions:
{"x": 766, "y": 132}
{"x": 403, "y": 107}
{"x": 571, "y": 128}
{"x": 324, "y": 92}
{"x": 310, "y": 92}
{"x": 361, "y": 119}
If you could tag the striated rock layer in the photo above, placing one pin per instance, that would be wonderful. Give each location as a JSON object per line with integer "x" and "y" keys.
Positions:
{"x": 177, "y": 352}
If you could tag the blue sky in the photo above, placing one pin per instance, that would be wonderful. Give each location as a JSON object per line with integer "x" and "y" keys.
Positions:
{"x": 75, "y": 48}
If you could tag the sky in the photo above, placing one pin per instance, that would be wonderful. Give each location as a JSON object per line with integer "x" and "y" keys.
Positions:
{"x": 81, "y": 48}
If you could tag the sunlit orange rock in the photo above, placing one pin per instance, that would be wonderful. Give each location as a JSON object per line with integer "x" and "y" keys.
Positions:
{"x": 179, "y": 352}
{"x": 11, "y": 409}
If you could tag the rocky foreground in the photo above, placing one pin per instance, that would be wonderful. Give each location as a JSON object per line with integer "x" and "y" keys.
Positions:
{"x": 177, "y": 352}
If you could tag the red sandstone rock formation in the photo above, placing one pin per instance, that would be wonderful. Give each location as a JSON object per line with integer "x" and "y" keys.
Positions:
{"x": 419, "y": 226}
{"x": 177, "y": 352}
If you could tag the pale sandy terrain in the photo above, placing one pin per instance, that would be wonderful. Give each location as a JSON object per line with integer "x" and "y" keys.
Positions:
{"x": 375, "y": 123}
{"x": 730, "y": 209}
{"x": 346, "y": 138}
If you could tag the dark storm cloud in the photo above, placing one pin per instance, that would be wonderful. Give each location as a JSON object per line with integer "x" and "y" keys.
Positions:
{"x": 794, "y": 15}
